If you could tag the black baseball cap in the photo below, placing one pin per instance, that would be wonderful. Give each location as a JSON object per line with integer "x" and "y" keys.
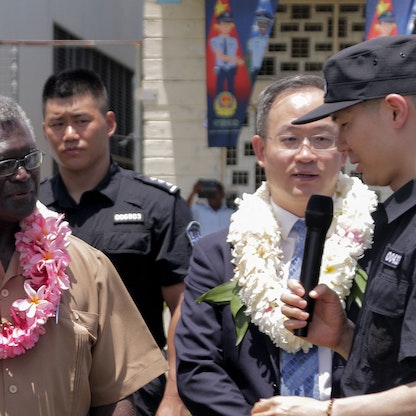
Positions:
{"x": 368, "y": 70}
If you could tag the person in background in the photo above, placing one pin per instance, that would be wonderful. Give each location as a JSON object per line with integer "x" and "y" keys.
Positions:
{"x": 230, "y": 357}
{"x": 371, "y": 95}
{"x": 256, "y": 45}
{"x": 212, "y": 215}
{"x": 68, "y": 345}
{"x": 137, "y": 221}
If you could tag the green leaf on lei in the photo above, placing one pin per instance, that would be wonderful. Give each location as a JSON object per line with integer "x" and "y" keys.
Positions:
{"x": 227, "y": 293}
{"x": 358, "y": 288}
{"x": 219, "y": 295}
{"x": 224, "y": 294}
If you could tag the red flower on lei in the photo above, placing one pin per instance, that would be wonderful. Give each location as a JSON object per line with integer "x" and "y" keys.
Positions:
{"x": 42, "y": 244}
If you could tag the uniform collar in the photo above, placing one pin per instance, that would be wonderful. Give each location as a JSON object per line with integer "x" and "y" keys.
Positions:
{"x": 401, "y": 201}
{"x": 108, "y": 187}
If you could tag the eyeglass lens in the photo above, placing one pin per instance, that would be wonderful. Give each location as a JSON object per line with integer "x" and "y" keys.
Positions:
{"x": 30, "y": 161}
{"x": 317, "y": 142}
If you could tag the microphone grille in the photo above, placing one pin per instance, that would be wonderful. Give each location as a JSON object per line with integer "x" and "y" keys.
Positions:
{"x": 319, "y": 212}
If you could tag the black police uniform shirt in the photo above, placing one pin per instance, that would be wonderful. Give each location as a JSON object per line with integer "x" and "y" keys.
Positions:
{"x": 140, "y": 224}
{"x": 383, "y": 354}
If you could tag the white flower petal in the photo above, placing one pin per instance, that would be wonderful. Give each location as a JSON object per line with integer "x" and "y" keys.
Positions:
{"x": 257, "y": 253}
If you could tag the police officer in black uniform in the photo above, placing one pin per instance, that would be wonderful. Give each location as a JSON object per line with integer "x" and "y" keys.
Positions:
{"x": 137, "y": 221}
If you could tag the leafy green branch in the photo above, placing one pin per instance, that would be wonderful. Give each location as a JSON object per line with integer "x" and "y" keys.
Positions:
{"x": 227, "y": 294}
{"x": 358, "y": 288}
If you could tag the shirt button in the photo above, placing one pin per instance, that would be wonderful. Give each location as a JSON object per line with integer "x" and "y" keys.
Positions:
{"x": 13, "y": 389}
{"x": 4, "y": 293}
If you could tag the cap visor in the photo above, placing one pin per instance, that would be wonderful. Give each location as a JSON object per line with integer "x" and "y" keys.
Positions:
{"x": 325, "y": 110}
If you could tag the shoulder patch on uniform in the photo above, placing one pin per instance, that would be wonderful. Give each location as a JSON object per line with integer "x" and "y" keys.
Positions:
{"x": 392, "y": 258}
{"x": 193, "y": 231}
{"x": 159, "y": 183}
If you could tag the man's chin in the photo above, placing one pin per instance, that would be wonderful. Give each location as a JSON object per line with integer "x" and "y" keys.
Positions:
{"x": 23, "y": 210}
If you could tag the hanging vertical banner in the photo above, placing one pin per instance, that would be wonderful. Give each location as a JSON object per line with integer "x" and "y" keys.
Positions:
{"x": 389, "y": 17}
{"x": 236, "y": 37}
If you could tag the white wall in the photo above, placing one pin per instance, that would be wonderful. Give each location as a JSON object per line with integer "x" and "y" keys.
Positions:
{"x": 175, "y": 141}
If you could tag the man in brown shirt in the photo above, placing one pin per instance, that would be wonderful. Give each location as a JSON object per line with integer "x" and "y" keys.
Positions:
{"x": 68, "y": 345}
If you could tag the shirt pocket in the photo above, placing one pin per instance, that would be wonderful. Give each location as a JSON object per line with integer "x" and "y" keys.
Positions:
{"x": 386, "y": 306}
{"x": 85, "y": 325}
{"x": 136, "y": 242}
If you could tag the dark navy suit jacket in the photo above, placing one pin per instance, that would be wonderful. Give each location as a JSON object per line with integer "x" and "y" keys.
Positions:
{"x": 216, "y": 377}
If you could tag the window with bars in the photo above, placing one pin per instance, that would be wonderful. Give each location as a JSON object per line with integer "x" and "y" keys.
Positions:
{"x": 299, "y": 40}
{"x": 248, "y": 149}
{"x": 259, "y": 175}
{"x": 231, "y": 156}
{"x": 240, "y": 177}
{"x": 119, "y": 83}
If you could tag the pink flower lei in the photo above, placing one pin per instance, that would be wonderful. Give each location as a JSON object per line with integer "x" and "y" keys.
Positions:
{"x": 42, "y": 244}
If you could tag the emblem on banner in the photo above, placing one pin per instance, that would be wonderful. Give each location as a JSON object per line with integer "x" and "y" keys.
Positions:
{"x": 225, "y": 104}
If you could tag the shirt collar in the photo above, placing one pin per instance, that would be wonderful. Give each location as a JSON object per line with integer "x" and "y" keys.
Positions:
{"x": 401, "y": 201}
{"x": 285, "y": 219}
{"x": 106, "y": 187}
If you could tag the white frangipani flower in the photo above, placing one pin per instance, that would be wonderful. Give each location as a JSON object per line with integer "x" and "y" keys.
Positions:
{"x": 257, "y": 253}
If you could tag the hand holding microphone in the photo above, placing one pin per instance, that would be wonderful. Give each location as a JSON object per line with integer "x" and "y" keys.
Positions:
{"x": 318, "y": 218}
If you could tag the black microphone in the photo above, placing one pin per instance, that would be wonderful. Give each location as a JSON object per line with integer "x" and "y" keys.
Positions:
{"x": 318, "y": 218}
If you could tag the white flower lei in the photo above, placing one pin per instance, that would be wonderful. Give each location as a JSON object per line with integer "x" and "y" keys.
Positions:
{"x": 255, "y": 235}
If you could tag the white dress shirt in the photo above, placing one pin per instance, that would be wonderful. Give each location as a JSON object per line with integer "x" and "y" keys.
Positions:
{"x": 286, "y": 221}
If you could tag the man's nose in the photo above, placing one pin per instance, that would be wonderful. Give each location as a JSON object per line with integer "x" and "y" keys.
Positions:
{"x": 69, "y": 131}
{"x": 305, "y": 150}
{"x": 21, "y": 174}
{"x": 341, "y": 143}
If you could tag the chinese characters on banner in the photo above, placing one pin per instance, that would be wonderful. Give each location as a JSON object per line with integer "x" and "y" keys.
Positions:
{"x": 389, "y": 17}
{"x": 236, "y": 37}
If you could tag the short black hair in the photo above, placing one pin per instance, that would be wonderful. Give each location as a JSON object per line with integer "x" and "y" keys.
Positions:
{"x": 268, "y": 96}
{"x": 75, "y": 81}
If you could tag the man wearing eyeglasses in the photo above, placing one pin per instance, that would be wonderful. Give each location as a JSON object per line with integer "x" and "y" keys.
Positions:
{"x": 68, "y": 346}
{"x": 216, "y": 376}
{"x": 31, "y": 161}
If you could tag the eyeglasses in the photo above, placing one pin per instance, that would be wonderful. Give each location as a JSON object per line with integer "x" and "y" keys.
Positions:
{"x": 318, "y": 142}
{"x": 31, "y": 161}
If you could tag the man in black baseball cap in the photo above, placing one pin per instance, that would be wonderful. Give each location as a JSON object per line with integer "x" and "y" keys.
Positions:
{"x": 371, "y": 95}
{"x": 368, "y": 70}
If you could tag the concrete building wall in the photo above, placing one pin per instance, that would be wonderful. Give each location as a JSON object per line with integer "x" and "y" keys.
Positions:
{"x": 174, "y": 95}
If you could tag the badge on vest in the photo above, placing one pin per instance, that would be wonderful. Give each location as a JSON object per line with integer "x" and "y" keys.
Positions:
{"x": 392, "y": 258}
{"x": 128, "y": 218}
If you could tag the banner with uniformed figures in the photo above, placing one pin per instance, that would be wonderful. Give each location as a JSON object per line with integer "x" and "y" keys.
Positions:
{"x": 237, "y": 33}
{"x": 389, "y": 17}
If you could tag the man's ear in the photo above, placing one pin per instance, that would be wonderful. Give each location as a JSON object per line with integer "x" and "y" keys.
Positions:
{"x": 111, "y": 123}
{"x": 258, "y": 146}
{"x": 399, "y": 109}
